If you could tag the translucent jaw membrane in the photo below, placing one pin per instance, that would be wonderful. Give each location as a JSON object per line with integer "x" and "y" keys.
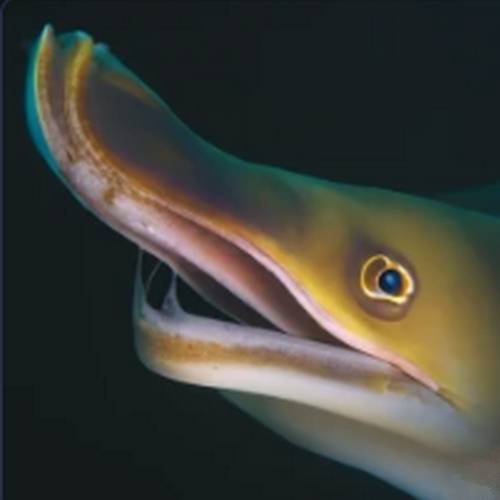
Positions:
{"x": 226, "y": 355}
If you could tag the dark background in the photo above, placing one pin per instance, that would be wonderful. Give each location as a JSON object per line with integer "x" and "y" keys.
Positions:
{"x": 400, "y": 96}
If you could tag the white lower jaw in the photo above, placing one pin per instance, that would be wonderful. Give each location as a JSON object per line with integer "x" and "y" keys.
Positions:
{"x": 348, "y": 384}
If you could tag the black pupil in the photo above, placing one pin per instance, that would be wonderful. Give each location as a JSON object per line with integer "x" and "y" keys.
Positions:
{"x": 390, "y": 282}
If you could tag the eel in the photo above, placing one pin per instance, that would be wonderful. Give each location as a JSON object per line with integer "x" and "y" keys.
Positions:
{"x": 365, "y": 322}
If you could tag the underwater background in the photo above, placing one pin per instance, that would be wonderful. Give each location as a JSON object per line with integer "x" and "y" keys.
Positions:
{"x": 402, "y": 96}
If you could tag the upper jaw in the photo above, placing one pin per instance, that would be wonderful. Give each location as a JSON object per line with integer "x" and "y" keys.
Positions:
{"x": 197, "y": 204}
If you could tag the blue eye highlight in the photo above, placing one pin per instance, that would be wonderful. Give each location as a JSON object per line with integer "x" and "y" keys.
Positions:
{"x": 390, "y": 282}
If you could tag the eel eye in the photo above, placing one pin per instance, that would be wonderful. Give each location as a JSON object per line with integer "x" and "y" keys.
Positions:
{"x": 384, "y": 279}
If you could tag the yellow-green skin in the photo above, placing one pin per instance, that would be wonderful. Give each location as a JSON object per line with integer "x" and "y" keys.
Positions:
{"x": 86, "y": 110}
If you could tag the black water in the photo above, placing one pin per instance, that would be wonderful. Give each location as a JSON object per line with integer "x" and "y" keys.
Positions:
{"x": 406, "y": 97}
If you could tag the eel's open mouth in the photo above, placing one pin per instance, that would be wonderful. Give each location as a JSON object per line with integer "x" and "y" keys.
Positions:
{"x": 169, "y": 334}
{"x": 260, "y": 243}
